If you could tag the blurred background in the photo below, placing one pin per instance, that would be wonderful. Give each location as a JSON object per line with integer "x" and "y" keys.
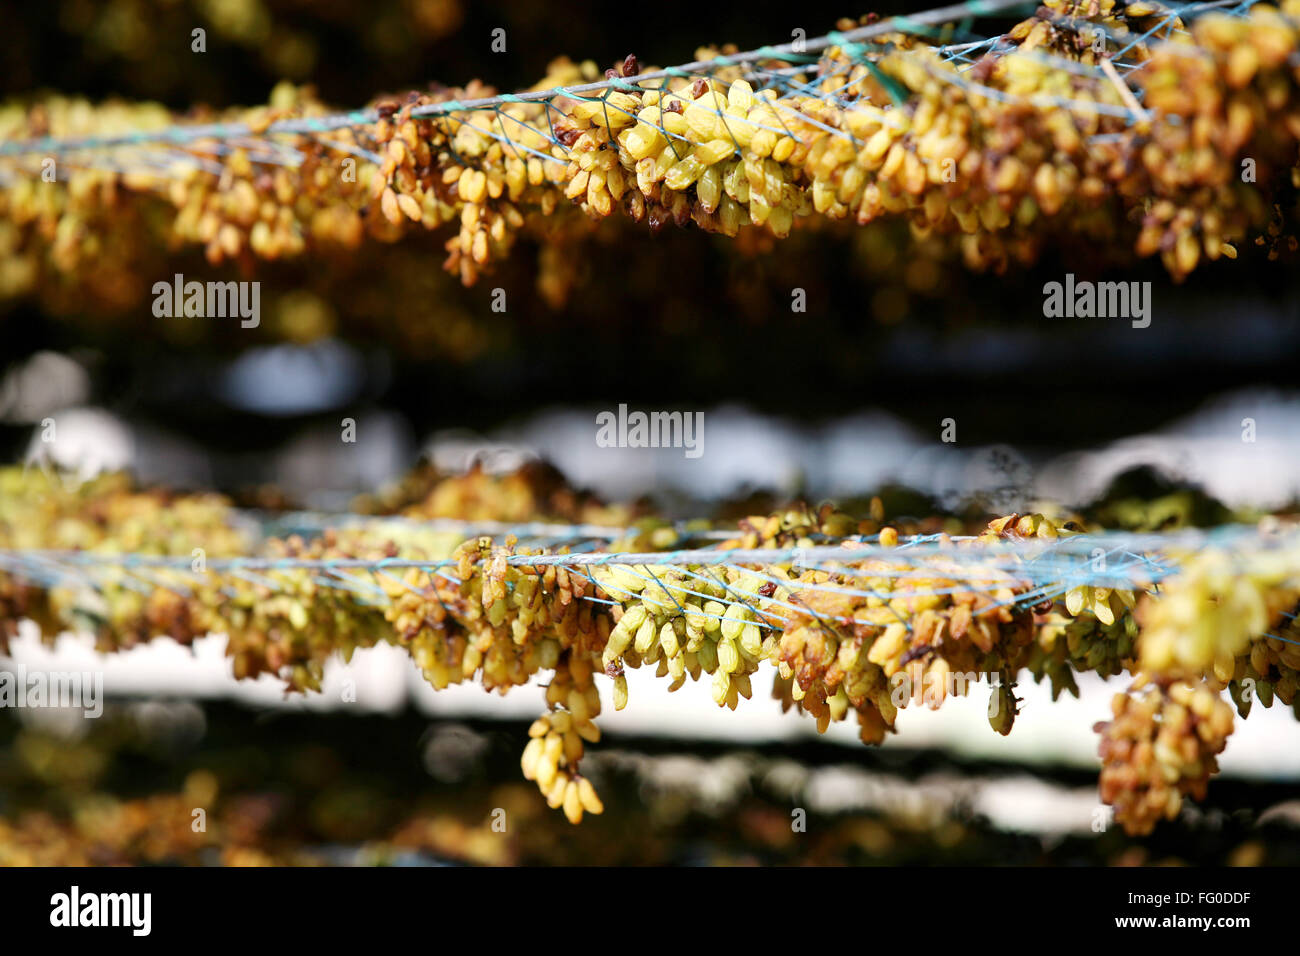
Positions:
{"x": 844, "y": 400}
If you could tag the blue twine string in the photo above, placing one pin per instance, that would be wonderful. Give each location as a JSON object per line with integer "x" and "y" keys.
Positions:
{"x": 219, "y": 138}
{"x": 1049, "y": 567}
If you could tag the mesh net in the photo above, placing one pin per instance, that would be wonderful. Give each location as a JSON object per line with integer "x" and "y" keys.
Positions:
{"x": 1125, "y": 126}
{"x": 852, "y": 617}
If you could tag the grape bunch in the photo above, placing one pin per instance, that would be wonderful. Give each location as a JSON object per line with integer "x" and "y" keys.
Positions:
{"x": 868, "y": 633}
{"x": 1040, "y": 141}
